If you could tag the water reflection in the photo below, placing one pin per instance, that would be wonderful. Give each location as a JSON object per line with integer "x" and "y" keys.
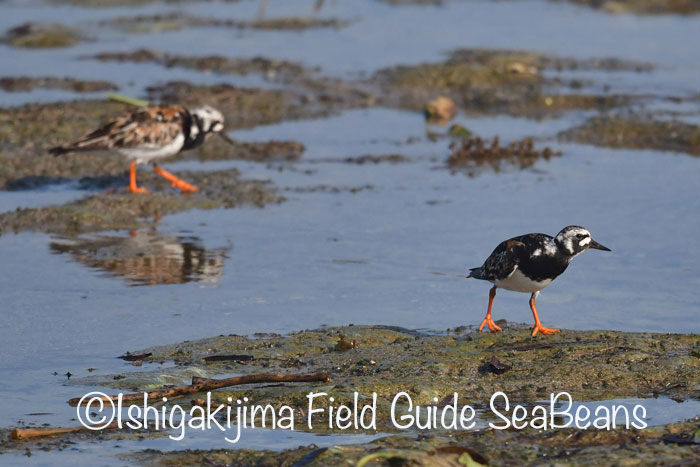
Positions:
{"x": 146, "y": 257}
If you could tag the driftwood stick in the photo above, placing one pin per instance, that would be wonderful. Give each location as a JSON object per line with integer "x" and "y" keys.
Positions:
{"x": 27, "y": 433}
{"x": 206, "y": 384}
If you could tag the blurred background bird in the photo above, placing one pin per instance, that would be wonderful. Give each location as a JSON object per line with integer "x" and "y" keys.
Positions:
{"x": 152, "y": 133}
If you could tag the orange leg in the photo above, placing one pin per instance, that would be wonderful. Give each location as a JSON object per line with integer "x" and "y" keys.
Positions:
{"x": 537, "y": 327}
{"x": 132, "y": 180}
{"x": 493, "y": 327}
{"x": 177, "y": 183}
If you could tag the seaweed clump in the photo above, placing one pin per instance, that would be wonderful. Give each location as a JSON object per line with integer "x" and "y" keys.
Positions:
{"x": 474, "y": 152}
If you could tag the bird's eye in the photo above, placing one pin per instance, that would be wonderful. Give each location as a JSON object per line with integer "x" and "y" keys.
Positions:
{"x": 579, "y": 236}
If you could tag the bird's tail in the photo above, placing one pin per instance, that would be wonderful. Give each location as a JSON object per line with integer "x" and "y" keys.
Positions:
{"x": 59, "y": 150}
{"x": 475, "y": 273}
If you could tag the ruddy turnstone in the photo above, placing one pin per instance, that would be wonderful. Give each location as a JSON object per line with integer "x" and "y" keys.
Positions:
{"x": 529, "y": 263}
{"x": 152, "y": 133}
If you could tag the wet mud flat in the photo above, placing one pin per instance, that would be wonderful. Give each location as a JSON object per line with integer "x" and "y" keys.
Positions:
{"x": 668, "y": 445}
{"x": 30, "y": 130}
{"x": 429, "y": 367}
{"x": 490, "y": 82}
{"x": 122, "y": 210}
{"x": 590, "y": 365}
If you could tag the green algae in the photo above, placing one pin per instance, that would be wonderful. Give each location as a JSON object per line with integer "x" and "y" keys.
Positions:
{"x": 637, "y": 132}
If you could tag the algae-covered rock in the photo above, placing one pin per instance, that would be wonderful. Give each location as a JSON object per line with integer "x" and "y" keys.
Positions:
{"x": 645, "y": 7}
{"x": 176, "y": 21}
{"x": 637, "y": 132}
{"x": 41, "y": 35}
{"x": 430, "y": 367}
{"x": 219, "y": 64}
{"x": 320, "y": 94}
{"x": 121, "y": 210}
{"x": 508, "y": 81}
{"x": 588, "y": 365}
{"x": 26, "y": 83}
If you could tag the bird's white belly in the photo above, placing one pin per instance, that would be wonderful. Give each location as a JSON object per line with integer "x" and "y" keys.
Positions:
{"x": 518, "y": 282}
{"x": 146, "y": 154}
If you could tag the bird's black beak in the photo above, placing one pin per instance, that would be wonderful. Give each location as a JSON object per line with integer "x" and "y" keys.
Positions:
{"x": 225, "y": 137}
{"x": 597, "y": 246}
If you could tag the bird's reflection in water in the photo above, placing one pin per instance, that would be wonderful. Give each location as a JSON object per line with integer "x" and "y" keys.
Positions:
{"x": 146, "y": 257}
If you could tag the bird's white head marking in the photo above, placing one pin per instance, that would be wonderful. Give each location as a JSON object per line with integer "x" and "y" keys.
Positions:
{"x": 210, "y": 119}
{"x": 573, "y": 240}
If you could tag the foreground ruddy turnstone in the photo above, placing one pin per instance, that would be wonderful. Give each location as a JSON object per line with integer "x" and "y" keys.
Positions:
{"x": 529, "y": 263}
{"x": 152, "y": 133}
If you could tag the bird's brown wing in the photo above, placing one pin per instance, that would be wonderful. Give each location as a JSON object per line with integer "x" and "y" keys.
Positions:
{"x": 149, "y": 127}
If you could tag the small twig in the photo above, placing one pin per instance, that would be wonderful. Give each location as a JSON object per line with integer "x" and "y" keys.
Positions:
{"x": 206, "y": 384}
{"x": 228, "y": 358}
{"x": 27, "y": 433}
{"x": 127, "y": 100}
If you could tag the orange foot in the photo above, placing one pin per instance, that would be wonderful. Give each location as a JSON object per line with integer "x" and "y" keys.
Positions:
{"x": 184, "y": 186}
{"x": 493, "y": 327}
{"x": 176, "y": 182}
{"x": 539, "y": 328}
{"x": 136, "y": 189}
{"x": 132, "y": 181}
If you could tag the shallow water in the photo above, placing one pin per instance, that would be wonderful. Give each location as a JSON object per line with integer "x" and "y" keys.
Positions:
{"x": 369, "y": 256}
